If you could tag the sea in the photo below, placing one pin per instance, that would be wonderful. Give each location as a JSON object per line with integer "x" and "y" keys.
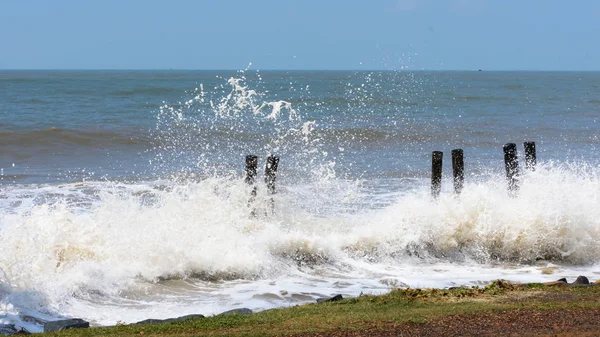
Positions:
{"x": 123, "y": 193}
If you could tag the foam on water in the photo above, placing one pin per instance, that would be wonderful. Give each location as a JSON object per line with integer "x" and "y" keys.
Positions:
{"x": 126, "y": 251}
{"x": 122, "y": 248}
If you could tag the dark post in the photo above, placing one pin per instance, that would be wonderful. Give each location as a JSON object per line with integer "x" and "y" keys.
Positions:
{"x": 458, "y": 170}
{"x": 270, "y": 176}
{"x": 436, "y": 173}
{"x": 512, "y": 167}
{"x": 270, "y": 171}
{"x": 251, "y": 165}
{"x": 530, "y": 156}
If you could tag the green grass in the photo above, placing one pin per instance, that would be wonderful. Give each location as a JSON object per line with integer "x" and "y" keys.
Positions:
{"x": 399, "y": 306}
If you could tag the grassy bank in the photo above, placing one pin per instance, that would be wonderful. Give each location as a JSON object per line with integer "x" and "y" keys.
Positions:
{"x": 400, "y": 310}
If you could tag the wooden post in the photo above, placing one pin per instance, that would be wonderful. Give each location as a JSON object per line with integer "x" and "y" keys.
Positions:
{"x": 512, "y": 167}
{"x": 270, "y": 173}
{"x": 251, "y": 165}
{"x": 436, "y": 173}
{"x": 270, "y": 176}
{"x": 530, "y": 155}
{"x": 458, "y": 170}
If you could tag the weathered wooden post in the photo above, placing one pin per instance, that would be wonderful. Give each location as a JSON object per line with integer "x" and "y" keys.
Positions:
{"x": 270, "y": 173}
{"x": 458, "y": 170}
{"x": 436, "y": 173}
{"x": 512, "y": 167}
{"x": 530, "y": 155}
{"x": 251, "y": 165}
{"x": 270, "y": 176}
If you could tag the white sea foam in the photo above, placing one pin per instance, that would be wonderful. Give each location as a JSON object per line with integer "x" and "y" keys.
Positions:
{"x": 121, "y": 250}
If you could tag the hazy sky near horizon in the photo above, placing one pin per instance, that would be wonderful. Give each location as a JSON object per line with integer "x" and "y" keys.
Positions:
{"x": 300, "y": 34}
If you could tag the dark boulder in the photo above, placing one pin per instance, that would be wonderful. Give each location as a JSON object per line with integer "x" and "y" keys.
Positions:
{"x": 74, "y": 323}
{"x": 153, "y": 321}
{"x": 240, "y": 311}
{"x": 581, "y": 280}
{"x": 177, "y": 319}
{"x": 186, "y": 317}
{"x": 22, "y": 331}
{"x": 337, "y": 297}
{"x": 7, "y": 329}
{"x": 561, "y": 282}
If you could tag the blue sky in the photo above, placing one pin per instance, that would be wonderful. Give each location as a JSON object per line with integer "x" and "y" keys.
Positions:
{"x": 303, "y": 34}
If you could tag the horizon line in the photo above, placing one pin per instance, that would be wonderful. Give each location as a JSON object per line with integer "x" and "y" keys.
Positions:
{"x": 292, "y": 70}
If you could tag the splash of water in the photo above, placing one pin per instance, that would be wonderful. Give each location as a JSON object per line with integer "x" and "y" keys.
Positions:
{"x": 212, "y": 131}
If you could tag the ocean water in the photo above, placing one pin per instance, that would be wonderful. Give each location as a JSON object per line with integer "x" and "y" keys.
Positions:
{"x": 122, "y": 193}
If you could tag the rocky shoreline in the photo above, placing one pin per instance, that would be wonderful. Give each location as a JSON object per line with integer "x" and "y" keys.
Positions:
{"x": 78, "y": 323}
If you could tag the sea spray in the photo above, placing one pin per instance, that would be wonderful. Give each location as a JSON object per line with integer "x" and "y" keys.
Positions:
{"x": 555, "y": 217}
{"x": 211, "y": 131}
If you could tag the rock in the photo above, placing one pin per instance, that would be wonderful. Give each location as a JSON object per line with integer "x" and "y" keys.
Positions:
{"x": 11, "y": 329}
{"x": 337, "y": 297}
{"x": 23, "y": 331}
{"x": 32, "y": 319}
{"x": 74, "y": 323}
{"x": 559, "y": 282}
{"x": 7, "y": 329}
{"x": 177, "y": 319}
{"x": 240, "y": 311}
{"x": 152, "y": 321}
{"x": 186, "y": 317}
{"x": 581, "y": 280}
{"x": 597, "y": 282}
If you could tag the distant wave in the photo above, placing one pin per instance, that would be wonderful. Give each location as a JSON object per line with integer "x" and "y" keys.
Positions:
{"x": 34, "y": 100}
{"x": 342, "y": 102}
{"x": 14, "y": 177}
{"x": 480, "y": 98}
{"x": 145, "y": 90}
{"x": 381, "y": 135}
{"x": 28, "y": 138}
{"x": 514, "y": 86}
